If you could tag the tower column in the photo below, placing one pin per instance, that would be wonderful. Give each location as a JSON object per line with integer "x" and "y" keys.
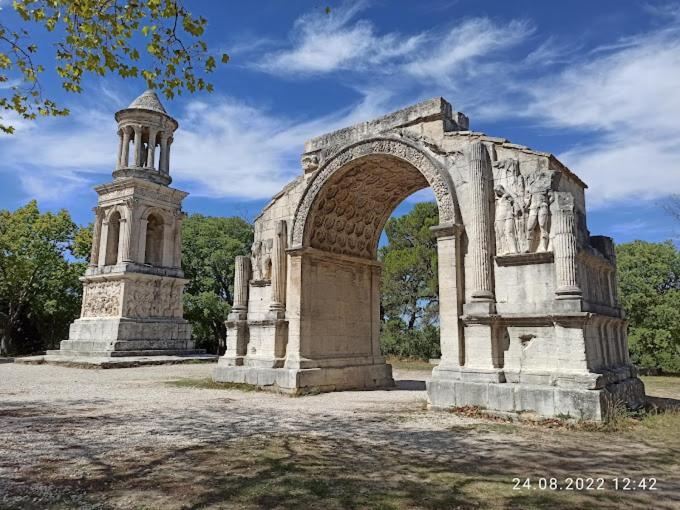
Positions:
{"x": 151, "y": 148}
{"x": 96, "y": 236}
{"x": 138, "y": 145}
{"x": 162, "y": 163}
{"x": 119, "y": 156}
{"x": 125, "y": 150}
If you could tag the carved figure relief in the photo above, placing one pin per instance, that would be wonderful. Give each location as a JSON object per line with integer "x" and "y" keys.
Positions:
{"x": 261, "y": 260}
{"x": 522, "y": 222}
{"x": 101, "y": 299}
{"x": 154, "y": 298}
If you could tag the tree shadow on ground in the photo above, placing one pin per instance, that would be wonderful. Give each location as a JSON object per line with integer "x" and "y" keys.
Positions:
{"x": 236, "y": 455}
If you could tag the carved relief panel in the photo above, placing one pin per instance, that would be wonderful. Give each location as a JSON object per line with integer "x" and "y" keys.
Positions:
{"x": 101, "y": 299}
{"x": 522, "y": 221}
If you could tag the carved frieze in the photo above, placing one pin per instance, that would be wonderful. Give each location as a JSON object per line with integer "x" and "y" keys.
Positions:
{"x": 522, "y": 222}
{"x": 101, "y": 299}
{"x": 153, "y": 298}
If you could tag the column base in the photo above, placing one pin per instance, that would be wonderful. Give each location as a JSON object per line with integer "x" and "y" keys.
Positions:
{"x": 299, "y": 381}
{"x": 579, "y": 398}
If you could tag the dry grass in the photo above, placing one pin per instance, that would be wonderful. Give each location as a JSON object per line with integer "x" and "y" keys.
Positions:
{"x": 410, "y": 364}
{"x": 207, "y": 383}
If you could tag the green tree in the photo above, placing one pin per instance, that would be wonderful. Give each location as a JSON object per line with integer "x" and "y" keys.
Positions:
{"x": 649, "y": 280}
{"x": 409, "y": 292}
{"x": 39, "y": 288}
{"x": 209, "y": 248}
{"x": 97, "y": 37}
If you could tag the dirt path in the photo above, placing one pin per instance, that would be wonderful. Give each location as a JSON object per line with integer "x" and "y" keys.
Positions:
{"x": 74, "y": 438}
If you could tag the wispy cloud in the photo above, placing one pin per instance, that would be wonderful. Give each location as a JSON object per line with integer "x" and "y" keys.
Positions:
{"x": 626, "y": 102}
{"x": 322, "y": 43}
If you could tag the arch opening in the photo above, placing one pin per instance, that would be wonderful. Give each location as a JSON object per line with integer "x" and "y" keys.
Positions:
{"x": 153, "y": 253}
{"x": 112, "y": 239}
{"x": 340, "y": 295}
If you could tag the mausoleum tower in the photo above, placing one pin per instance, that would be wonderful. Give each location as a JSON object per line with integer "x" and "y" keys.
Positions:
{"x": 132, "y": 289}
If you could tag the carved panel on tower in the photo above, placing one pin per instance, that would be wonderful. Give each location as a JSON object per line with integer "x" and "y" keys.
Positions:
{"x": 153, "y": 298}
{"x": 522, "y": 222}
{"x": 101, "y": 299}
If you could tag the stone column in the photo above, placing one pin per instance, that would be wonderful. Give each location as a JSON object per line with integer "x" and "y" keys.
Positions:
{"x": 279, "y": 263}
{"x": 96, "y": 237}
{"x": 120, "y": 149}
{"x": 141, "y": 242}
{"x": 167, "y": 155}
{"x": 151, "y": 149}
{"x": 138, "y": 145}
{"x": 125, "y": 152}
{"x": 241, "y": 280}
{"x": 177, "y": 259}
{"x": 564, "y": 246}
{"x": 480, "y": 228}
{"x": 163, "y": 158}
{"x": 124, "y": 241}
{"x": 103, "y": 241}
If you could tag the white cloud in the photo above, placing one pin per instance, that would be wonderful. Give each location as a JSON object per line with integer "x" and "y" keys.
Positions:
{"x": 330, "y": 42}
{"x": 626, "y": 102}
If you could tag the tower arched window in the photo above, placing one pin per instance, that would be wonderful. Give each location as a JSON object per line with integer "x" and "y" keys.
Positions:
{"x": 154, "y": 240}
{"x": 112, "y": 239}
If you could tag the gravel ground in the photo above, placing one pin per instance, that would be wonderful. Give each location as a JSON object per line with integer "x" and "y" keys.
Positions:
{"x": 62, "y": 429}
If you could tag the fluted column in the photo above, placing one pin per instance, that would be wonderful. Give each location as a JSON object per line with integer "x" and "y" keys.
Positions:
{"x": 279, "y": 260}
{"x": 151, "y": 148}
{"x": 178, "y": 240}
{"x": 241, "y": 279}
{"x": 119, "y": 156}
{"x": 125, "y": 150}
{"x": 138, "y": 145}
{"x": 162, "y": 166}
{"x": 564, "y": 246}
{"x": 96, "y": 237}
{"x": 480, "y": 228}
{"x": 167, "y": 155}
{"x": 124, "y": 241}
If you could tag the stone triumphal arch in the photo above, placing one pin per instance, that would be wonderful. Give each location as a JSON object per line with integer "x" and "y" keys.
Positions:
{"x": 529, "y": 314}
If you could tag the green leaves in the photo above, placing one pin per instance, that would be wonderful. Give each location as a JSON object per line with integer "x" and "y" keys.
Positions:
{"x": 409, "y": 292}
{"x": 102, "y": 36}
{"x": 649, "y": 281}
{"x": 39, "y": 286}
{"x": 210, "y": 246}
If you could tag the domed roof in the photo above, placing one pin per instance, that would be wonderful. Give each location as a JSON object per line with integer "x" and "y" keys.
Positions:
{"x": 148, "y": 101}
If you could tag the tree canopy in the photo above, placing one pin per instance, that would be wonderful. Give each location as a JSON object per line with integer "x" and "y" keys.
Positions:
{"x": 409, "y": 287}
{"x": 39, "y": 288}
{"x": 97, "y": 37}
{"x": 209, "y": 247}
{"x": 649, "y": 279}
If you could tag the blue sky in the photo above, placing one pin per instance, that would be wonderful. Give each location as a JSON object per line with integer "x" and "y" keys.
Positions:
{"x": 596, "y": 83}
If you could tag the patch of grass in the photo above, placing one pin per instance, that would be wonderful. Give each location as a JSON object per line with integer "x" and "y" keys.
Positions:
{"x": 206, "y": 383}
{"x": 410, "y": 364}
{"x": 662, "y": 386}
